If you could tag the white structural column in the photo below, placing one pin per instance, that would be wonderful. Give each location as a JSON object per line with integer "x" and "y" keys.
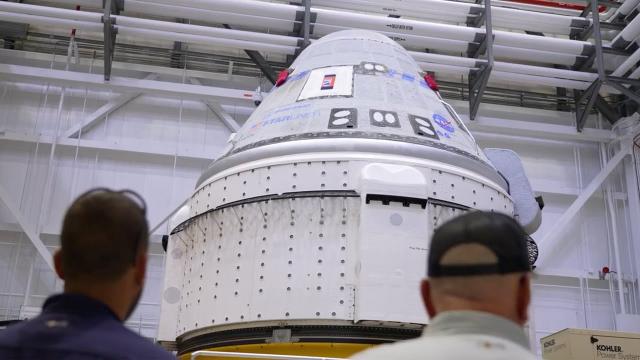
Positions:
{"x": 550, "y": 241}
{"x": 102, "y": 112}
{"x": 28, "y": 230}
{"x": 215, "y": 107}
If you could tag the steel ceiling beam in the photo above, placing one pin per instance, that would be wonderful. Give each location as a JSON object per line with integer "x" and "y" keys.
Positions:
{"x": 306, "y": 24}
{"x": 119, "y": 84}
{"x": 267, "y": 70}
{"x": 550, "y": 242}
{"x": 110, "y": 146}
{"x": 30, "y": 232}
{"x": 217, "y": 109}
{"x": 607, "y": 110}
{"x": 47, "y": 58}
{"x": 585, "y": 101}
{"x": 478, "y": 79}
{"x": 102, "y": 112}
{"x": 109, "y": 34}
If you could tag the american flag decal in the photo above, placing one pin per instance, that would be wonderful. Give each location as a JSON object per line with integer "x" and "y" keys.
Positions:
{"x": 328, "y": 82}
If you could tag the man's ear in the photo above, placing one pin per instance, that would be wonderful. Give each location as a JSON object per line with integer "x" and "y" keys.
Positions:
{"x": 140, "y": 267}
{"x": 524, "y": 298}
{"x": 425, "y": 290}
{"x": 57, "y": 263}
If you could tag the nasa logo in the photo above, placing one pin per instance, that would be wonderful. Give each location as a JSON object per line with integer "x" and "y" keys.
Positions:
{"x": 328, "y": 82}
{"x": 443, "y": 123}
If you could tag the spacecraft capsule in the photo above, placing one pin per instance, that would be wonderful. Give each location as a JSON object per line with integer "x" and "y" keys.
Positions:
{"x": 313, "y": 226}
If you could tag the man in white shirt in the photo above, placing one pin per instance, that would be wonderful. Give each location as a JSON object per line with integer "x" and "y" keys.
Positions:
{"x": 477, "y": 294}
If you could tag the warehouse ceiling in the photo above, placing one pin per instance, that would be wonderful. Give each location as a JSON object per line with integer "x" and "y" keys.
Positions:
{"x": 540, "y": 54}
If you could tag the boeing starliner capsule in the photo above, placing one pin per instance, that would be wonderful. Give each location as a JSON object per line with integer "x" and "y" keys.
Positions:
{"x": 309, "y": 235}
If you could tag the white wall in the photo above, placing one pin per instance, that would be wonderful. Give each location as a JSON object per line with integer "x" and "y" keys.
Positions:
{"x": 159, "y": 146}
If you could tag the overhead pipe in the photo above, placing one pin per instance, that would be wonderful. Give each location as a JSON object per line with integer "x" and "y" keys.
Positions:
{"x": 453, "y": 32}
{"x": 419, "y": 43}
{"x": 546, "y": 72}
{"x": 399, "y": 7}
{"x": 501, "y": 50}
{"x": 249, "y": 7}
{"x": 450, "y": 32}
{"x": 135, "y": 6}
{"x": 51, "y": 22}
{"x": 562, "y": 5}
{"x": 635, "y": 74}
{"x": 536, "y": 8}
{"x": 206, "y": 31}
{"x": 504, "y": 67}
{"x": 92, "y": 4}
{"x": 410, "y": 42}
{"x": 627, "y": 64}
{"x": 459, "y": 11}
{"x": 416, "y": 42}
{"x": 524, "y": 79}
{"x": 555, "y": 49}
{"x": 542, "y": 43}
{"x": 625, "y": 9}
{"x": 378, "y": 23}
{"x": 508, "y": 77}
{"x": 545, "y": 81}
{"x": 205, "y": 40}
{"x": 444, "y": 59}
{"x": 263, "y": 43}
{"x": 535, "y": 55}
{"x": 444, "y": 68}
{"x": 50, "y": 12}
{"x": 629, "y": 34}
{"x": 49, "y": 16}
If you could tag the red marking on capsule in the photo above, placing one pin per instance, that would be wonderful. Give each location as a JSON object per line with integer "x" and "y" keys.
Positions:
{"x": 282, "y": 77}
{"x": 433, "y": 84}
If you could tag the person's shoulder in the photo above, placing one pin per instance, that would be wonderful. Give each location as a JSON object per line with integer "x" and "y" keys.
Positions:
{"x": 12, "y": 333}
{"x": 103, "y": 337}
{"x": 400, "y": 350}
{"x": 459, "y": 347}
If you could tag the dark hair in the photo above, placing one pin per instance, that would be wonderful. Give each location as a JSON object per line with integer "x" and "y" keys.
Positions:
{"x": 103, "y": 232}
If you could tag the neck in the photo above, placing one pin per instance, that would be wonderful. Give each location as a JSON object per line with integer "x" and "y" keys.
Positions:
{"x": 108, "y": 293}
{"x": 498, "y": 308}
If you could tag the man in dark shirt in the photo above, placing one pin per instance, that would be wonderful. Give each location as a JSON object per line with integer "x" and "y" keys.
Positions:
{"x": 102, "y": 259}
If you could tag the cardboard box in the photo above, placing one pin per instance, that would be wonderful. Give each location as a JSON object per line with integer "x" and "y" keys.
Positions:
{"x": 581, "y": 344}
